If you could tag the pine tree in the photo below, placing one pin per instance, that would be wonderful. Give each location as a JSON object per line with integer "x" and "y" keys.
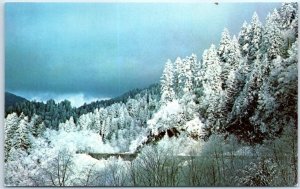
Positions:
{"x": 273, "y": 41}
{"x": 195, "y": 67}
{"x": 107, "y": 129}
{"x": 230, "y": 55}
{"x": 198, "y": 74}
{"x": 188, "y": 76}
{"x": 234, "y": 84}
{"x": 277, "y": 107}
{"x": 224, "y": 46}
{"x": 11, "y": 123}
{"x": 255, "y": 35}
{"x": 167, "y": 91}
{"x": 37, "y": 125}
{"x": 83, "y": 122}
{"x": 22, "y": 139}
{"x": 122, "y": 118}
{"x": 235, "y": 55}
{"x": 100, "y": 118}
{"x": 179, "y": 76}
{"x": 246, "y": 104}
{"x": 212, "y": 89}
{"x": 289, "y": 24}
{"x": 224, "y": 53}
{"x": 10, "y": 126}
{"x": 289, "y": 17}
{"x": 244, "y": 39}
{"x": 68, "y": 126}
{"x": 96, "y": 126}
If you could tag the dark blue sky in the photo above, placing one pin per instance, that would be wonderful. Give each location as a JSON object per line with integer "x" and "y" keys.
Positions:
{"x": 100, "y": 50}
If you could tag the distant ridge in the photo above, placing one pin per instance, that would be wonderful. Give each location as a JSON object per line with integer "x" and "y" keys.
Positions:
{"x": 11, "y": 99}
{"x": 90, "y": 107}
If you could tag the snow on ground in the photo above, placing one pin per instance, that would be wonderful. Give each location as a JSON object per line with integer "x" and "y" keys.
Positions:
{"x": 136, "y": 143}
{"x": 165, "y": 114}
{"x": 181, "y": 146}
{"x": 84, "y": 161}
{"x": 168, "y": 116}
{"x": 195, "y": 126}
{"x": 83, "y": 141}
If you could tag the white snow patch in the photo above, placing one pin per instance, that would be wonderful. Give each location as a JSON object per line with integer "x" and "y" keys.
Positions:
{"x": 165, "y": 114}
{"x": 136, "y": 143}
{"x": 195, "y": 126}
{"x": 181, "y": 146}
{"x": 84, "y": 141}
{"x": 84, "y": 160}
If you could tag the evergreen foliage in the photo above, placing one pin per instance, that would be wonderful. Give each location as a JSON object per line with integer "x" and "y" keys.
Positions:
{"x": 229, "y": 119}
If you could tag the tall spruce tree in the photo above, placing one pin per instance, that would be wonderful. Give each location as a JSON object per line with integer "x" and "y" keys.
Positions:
{"x": 167, "y": 91}
{"x": 255, "y": 37}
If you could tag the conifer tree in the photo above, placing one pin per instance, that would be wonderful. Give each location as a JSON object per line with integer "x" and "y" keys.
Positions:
{"x": 244, "y": 39}
{"x": 21, "y": 139}
{"x": 37, "y": 126}
{"x": 289, "y": 17}
{"x": 167, "y": 91}
{"x": 255, "y": 35}
{"x": 212, "y": 86}
{"x": 188, "y": 79}
{"x": 273, "y": 41}
{"x": 10, "y": 126}
{"x": 179, "y": 76}
{"x": 224, "y": 45}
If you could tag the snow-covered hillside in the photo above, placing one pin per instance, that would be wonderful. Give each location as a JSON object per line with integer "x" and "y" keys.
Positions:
{"x": 228, "y": 118}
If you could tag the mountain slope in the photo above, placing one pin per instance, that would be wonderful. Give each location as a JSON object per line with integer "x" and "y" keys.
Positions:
{"x": 54, "y": 113}
{"x": 86, "y": 108}
{"x": 11, "y": 99}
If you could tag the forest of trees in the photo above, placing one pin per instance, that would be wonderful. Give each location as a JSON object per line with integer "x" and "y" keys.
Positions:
{"x": 54, "y": 113}
{"x": 241, "y": 96}
{"x": 246, "y": 85}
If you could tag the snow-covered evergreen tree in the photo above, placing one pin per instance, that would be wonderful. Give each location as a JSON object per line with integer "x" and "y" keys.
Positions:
{"x": 179, "y": 76}
{"x": 212, "y": 86}
{"x": 230, "y": 56}
{"x": 273, "y": 41}
{"x": 10, "y": 126}
{"x": 278, "y": 94}
{"x": 188, "y": 73}
{"x": 289, "y": 24}
{"x": 255, "y": 36}
{"x": 167, "y": 91}
{"x": 68, "y": 126}
{"x": 195, "y": 67}
{"x": 234, "y": 84}
{"x": 83, "y": 122}
{"x": 244, "y": 39}
{"x": 37, "y": 126}
{"x": 245, "y": 89}
{"x": 224, "y": 46}
{"x": 21, "y": 139}
{"x": 289, "y": 17}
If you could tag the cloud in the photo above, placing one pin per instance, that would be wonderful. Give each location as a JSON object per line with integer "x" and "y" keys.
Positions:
{"x": 107, "y": 49}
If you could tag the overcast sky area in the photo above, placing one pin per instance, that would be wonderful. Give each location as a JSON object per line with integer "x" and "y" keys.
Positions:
{"x": 84, "y": 52}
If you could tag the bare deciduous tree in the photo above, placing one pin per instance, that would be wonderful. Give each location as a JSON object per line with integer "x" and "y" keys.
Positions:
{"x": 156, "y": 167}
{"x": 59, "y": 169}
